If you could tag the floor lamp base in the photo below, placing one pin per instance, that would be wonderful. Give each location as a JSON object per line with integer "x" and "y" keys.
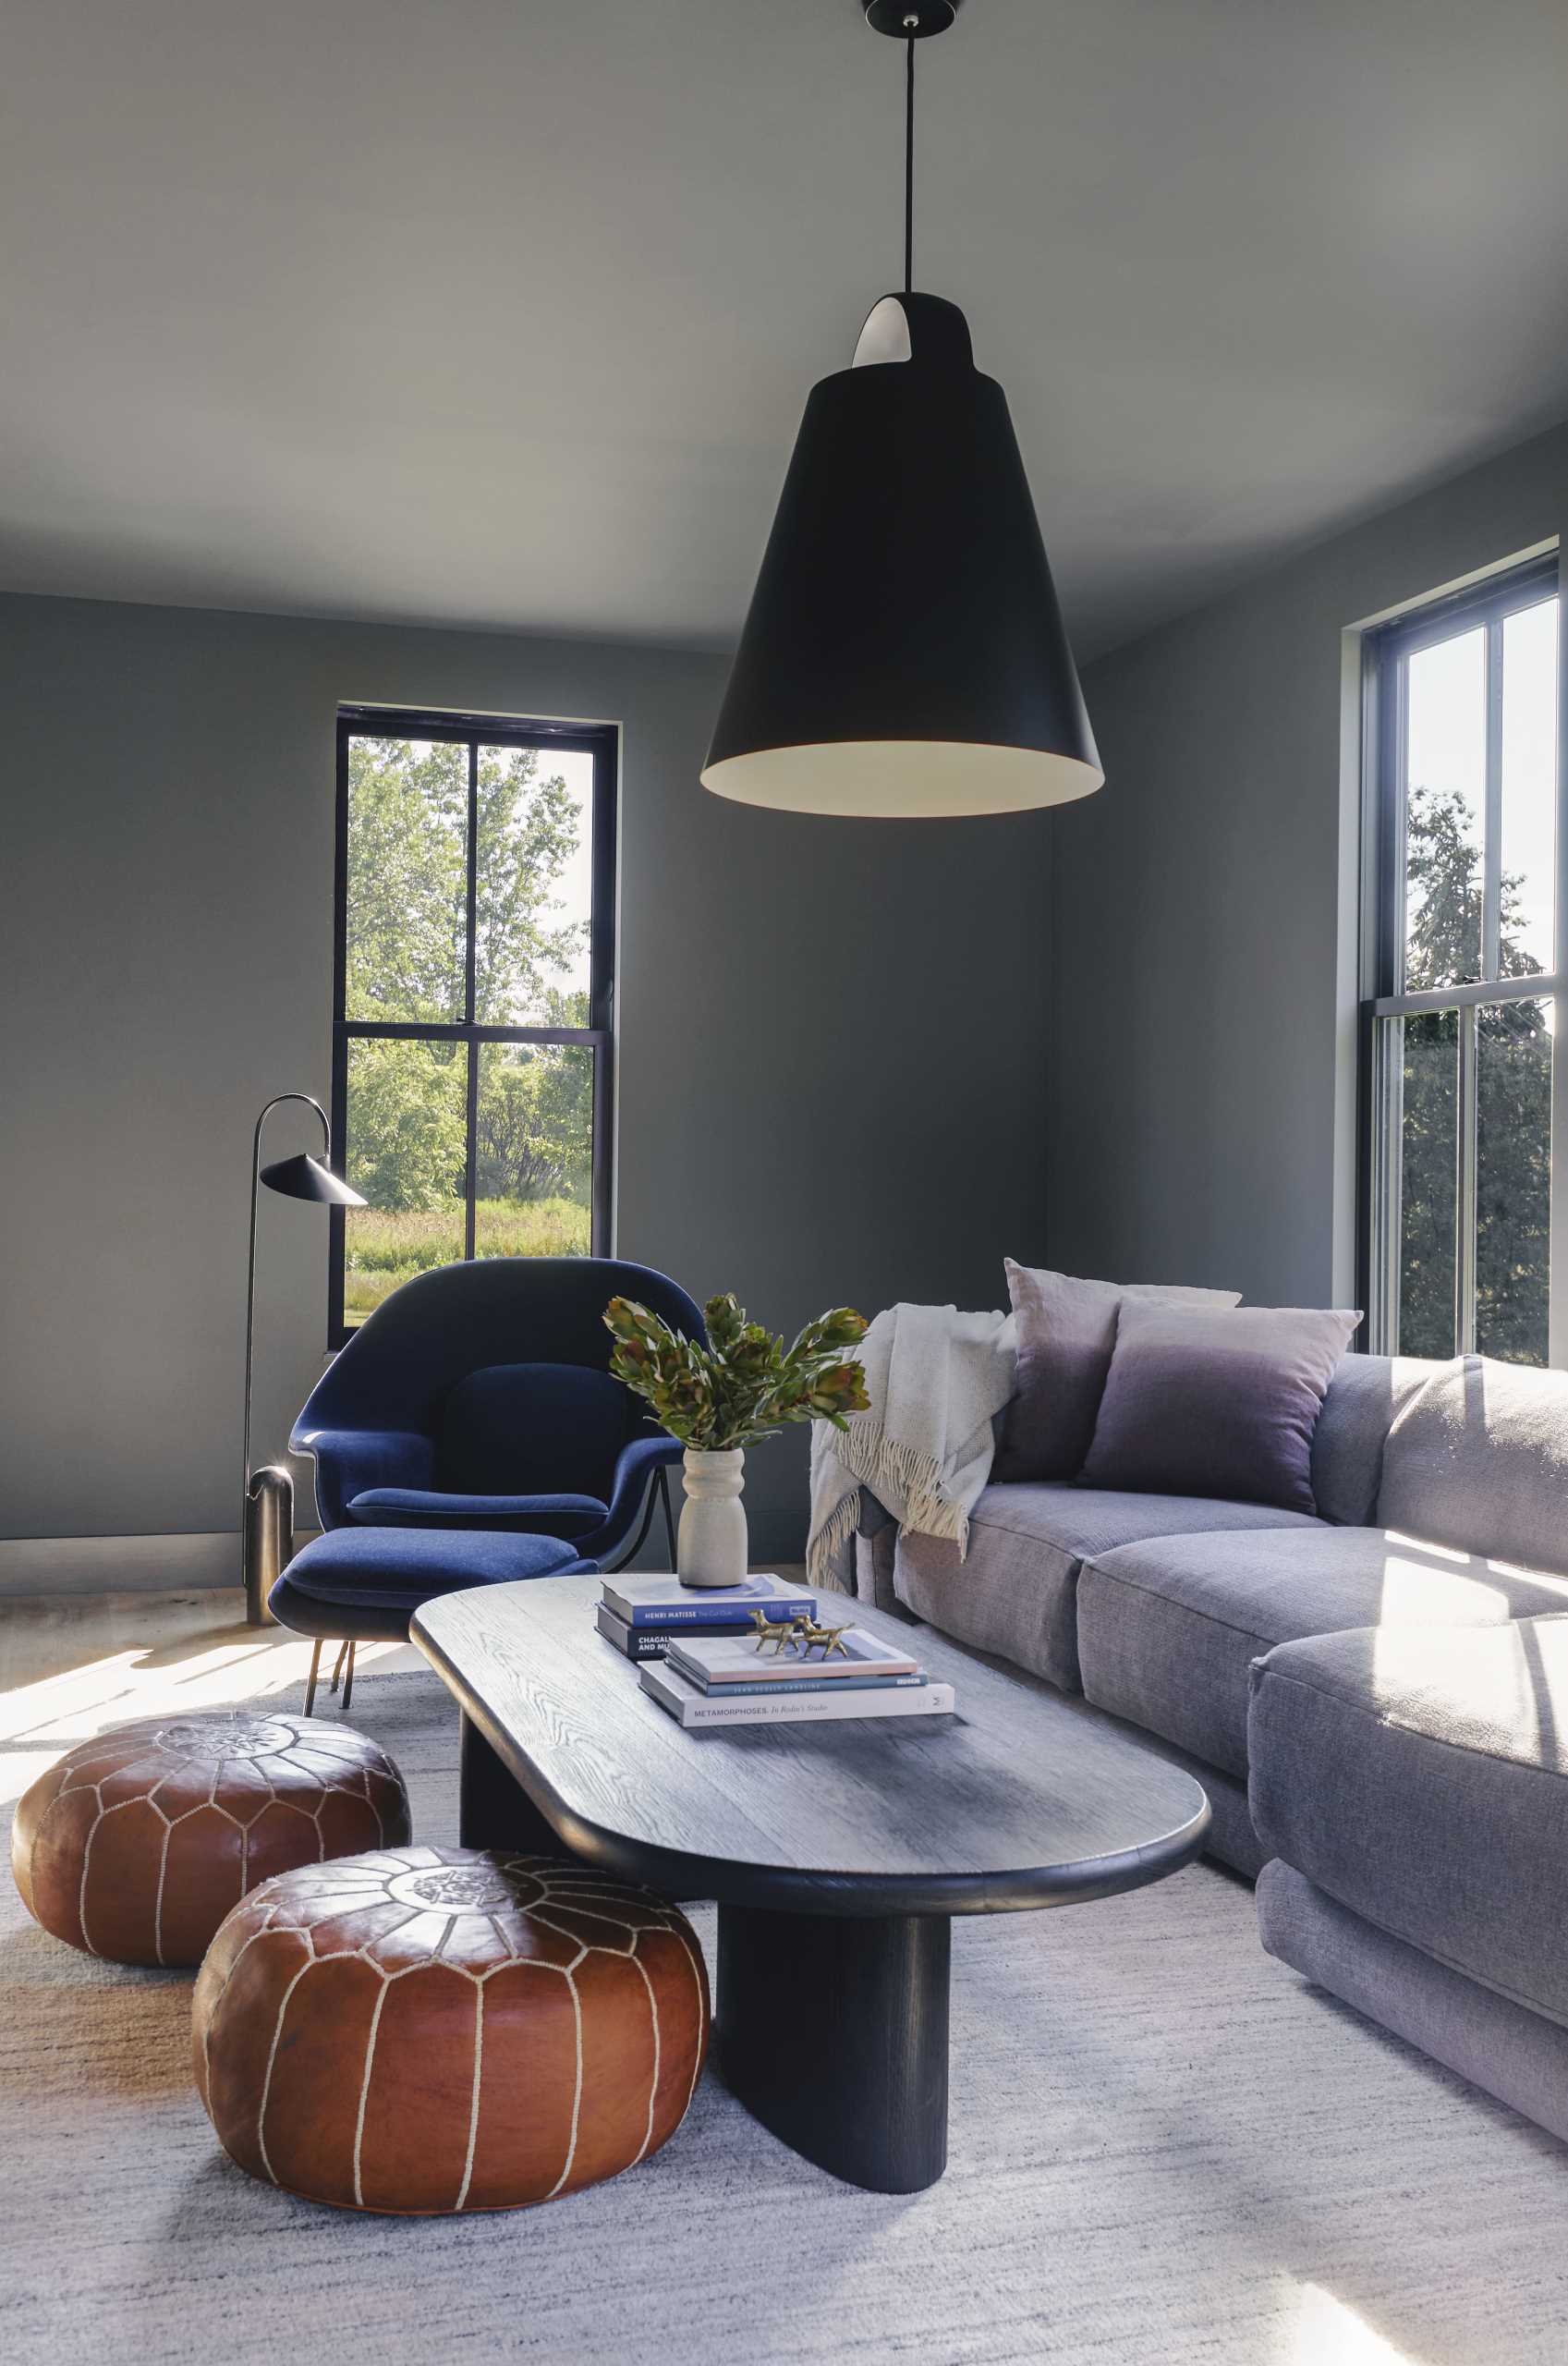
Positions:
{"x": 267, "y": 1539}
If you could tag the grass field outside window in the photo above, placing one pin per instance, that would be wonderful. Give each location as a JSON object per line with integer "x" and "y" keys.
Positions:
{"x": 385, "y": 1248}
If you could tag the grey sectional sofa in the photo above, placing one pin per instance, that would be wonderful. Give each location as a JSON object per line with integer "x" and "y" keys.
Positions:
{"x": 1375, "y": 1699}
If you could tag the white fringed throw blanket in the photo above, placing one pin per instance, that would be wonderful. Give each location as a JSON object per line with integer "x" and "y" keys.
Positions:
{"x": 937, "y": 1380}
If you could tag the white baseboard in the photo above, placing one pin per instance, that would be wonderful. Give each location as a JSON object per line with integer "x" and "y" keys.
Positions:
{"x": 54, "y": 1565}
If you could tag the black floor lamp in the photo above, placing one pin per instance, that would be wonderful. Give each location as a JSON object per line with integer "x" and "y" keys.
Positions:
{"x": 267, "y": 1518}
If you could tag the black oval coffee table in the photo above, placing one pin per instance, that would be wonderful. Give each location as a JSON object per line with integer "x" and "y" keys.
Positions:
{"x": 838, "y": 1853}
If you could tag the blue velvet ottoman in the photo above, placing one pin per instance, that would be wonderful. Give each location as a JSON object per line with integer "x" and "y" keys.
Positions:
{"x": 361, "y": 1584}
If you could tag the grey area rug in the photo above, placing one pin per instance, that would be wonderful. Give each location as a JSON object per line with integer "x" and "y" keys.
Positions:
{"x": 1164, "y": 2148}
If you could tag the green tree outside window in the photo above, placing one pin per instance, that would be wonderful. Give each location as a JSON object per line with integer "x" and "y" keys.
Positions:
{"x": 1513, "y": 1109}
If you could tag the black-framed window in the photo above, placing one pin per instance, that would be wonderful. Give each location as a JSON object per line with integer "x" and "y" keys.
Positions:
{"x": 1467, "y": 1213}
{"x": 473, "y": 993}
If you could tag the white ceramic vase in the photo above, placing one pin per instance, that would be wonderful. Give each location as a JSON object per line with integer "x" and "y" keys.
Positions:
{"x": 711, "y": 1548}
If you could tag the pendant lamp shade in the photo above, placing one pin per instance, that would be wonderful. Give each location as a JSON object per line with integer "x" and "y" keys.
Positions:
{"x": 904, "y": 655}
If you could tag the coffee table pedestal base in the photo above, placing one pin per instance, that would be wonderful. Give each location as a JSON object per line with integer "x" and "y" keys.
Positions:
{"x": 832, "y": 2030}
{"x": 494, "y": 1809}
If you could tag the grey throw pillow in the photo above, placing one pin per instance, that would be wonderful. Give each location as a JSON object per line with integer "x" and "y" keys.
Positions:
{"x": 1217, "y": 1403}
{"x": 1066, "y": 1332}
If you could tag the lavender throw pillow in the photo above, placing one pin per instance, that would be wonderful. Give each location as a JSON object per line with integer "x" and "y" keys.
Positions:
{"x": 1217, "y": 1403}
{"x": 1066, "y": 1332}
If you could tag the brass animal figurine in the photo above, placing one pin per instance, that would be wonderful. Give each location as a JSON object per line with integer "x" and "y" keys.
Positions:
{"x": 777, "y": 1632}
{"x": 799, "y": 1635}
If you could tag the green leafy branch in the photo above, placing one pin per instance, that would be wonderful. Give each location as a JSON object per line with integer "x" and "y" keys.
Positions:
{"x": 746, "y": 1383}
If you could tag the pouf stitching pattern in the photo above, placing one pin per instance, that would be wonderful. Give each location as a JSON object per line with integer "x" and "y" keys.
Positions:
{"x": 246, "y": 1736}
{"x": 463, "y": 1876}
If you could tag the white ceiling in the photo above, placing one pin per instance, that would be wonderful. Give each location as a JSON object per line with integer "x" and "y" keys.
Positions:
{"x": 503, "y": 311}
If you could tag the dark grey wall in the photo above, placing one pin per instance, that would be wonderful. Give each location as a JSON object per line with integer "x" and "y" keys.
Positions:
{"x": 832, "y": 1035}
{"x": 1203, "y": 1101}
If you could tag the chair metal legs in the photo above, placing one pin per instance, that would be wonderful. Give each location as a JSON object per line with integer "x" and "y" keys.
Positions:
{"x": 343, "y": 1673}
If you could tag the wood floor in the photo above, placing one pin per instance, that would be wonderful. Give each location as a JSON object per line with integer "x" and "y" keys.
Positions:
{"x": 71, "y": 1664}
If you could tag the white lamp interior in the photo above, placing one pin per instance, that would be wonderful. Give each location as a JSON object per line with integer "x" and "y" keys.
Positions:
{"x": 892, "y": 779}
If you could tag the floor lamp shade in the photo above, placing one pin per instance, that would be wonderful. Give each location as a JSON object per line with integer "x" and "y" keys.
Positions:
{"x": 307, "y": 1179}
{"x": 904, "y": 653}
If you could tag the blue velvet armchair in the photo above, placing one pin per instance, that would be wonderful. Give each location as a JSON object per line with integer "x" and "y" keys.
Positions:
{"x": 479, "y": 1396}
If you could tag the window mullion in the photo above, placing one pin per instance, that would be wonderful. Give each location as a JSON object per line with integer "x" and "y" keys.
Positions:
{"x": 1464, "y": 1194}
{"x": 1490, "y": 993}
{"x": 470, "y": 965}
{"x": 1557, "y": 1228}
{"x": 1396, "y": 803}
{"x": 1492, "y": 874}
{"x": 470, "y": 1013}
{"x": 1387, "y": 1148}
{"x": 1557, "y": 1251}
{"x": 453, "y": 1030}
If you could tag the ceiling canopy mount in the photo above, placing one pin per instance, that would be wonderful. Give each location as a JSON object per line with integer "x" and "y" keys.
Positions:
{"x": 910, "y": 19}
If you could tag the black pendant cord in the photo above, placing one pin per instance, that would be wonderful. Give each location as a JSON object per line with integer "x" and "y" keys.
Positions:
{"x": 910, "y": 165}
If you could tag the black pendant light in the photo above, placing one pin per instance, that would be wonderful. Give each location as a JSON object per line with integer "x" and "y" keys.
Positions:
{"x": 904, "y": 653}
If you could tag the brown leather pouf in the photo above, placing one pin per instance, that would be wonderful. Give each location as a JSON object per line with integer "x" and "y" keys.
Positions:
{"x": 435, "y": 2030}
{"x": 136, "y": 1845}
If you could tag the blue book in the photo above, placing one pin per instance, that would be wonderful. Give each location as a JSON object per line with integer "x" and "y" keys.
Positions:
{"x": 665, "y": 1603}
{"x": 654, "y": 1643}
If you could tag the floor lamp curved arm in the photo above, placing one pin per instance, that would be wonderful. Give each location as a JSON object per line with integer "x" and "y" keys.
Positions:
{"x": 300, "y": 1178}
{"x": 275, "y": 1102}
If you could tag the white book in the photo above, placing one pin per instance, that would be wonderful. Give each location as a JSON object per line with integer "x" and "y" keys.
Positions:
{"x": 697, "y": 1710}
{"x": 711, "y": 1661}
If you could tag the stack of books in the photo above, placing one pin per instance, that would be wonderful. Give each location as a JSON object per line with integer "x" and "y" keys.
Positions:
{"x": 639, "y": 1615}
{"x": 707, "y": 1662}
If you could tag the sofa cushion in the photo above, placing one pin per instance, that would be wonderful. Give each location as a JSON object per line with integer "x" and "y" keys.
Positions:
{"x": 1016, "y": 1591}
{"x": 1365, "y": 1398}
{"x": 1422, "y": 1780}
{"x": 1479, "y": 1460}
{"x": 1217, "y": 1402}
{"x": 1168, "y": 1629}
{"x": 571, "y": 1516}
{"x": 1066, "y": 1332}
